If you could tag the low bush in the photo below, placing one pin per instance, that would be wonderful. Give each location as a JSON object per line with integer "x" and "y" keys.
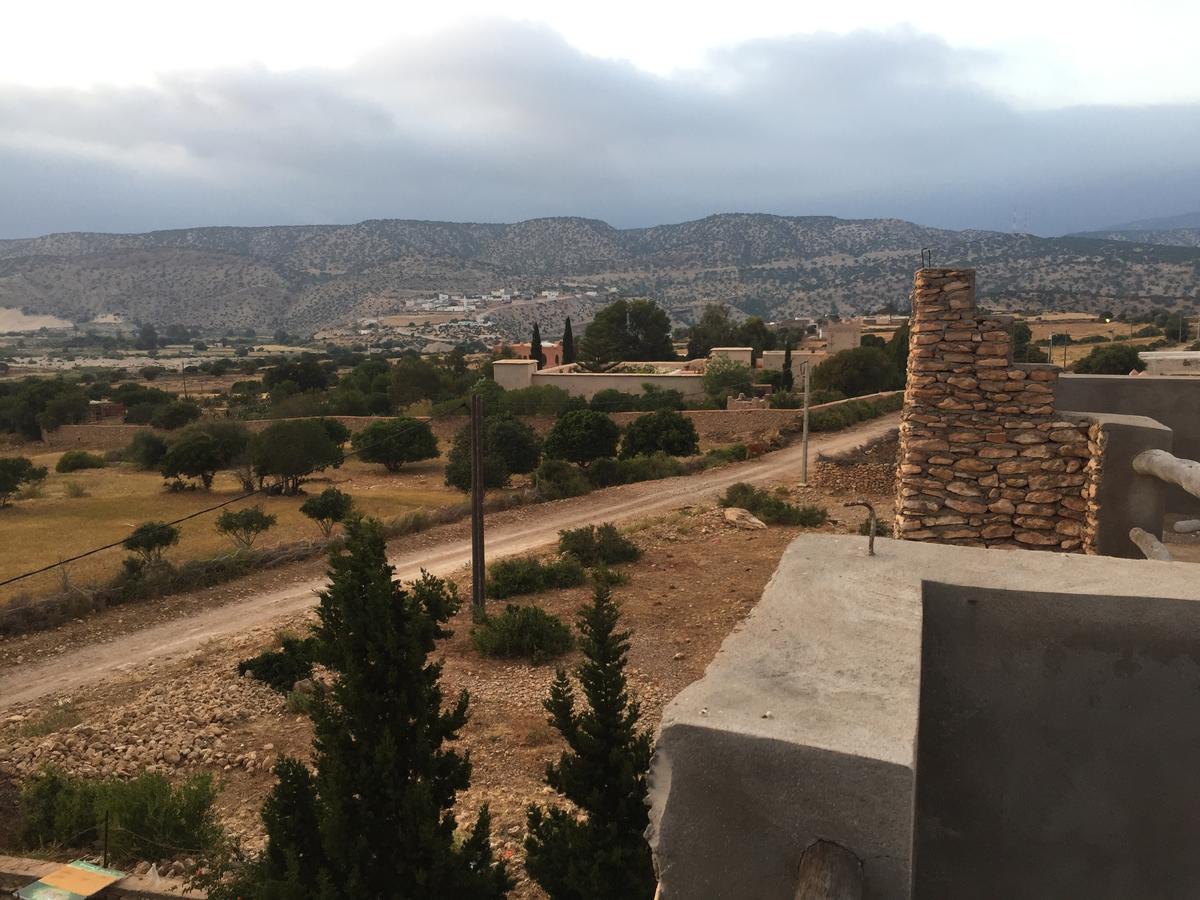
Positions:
{"x": 526, "y": 632}
{"x": 772, "y": 509}
{"x": 835, "y": 418}
{"x": 666, "y": 431}
{"x": 882, "y": 529}
{"x": 299, "y": 703}
{"x": 282, "y": 668}
{"x": 58, "y": 718}
{"x": 649, "y": 468}
{"x": 556, "y": 479}
{"x": 795, "y": 399}
{"x": 145, "y": 815}
{"x": 606, "y": 577}
{"x": 146, "y": 450}
{"x": 74, "y": 460}
{"x": 525, "y": 575}
{"x": 75, "y": 490}
{"x": 720, "y": 456}
{"x": 598, "y": 546}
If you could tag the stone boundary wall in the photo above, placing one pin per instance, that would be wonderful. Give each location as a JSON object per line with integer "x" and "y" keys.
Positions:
{"x": 984, "y": 459}
{"x": 713, "y": 425}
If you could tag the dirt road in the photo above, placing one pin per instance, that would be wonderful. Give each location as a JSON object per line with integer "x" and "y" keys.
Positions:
{"x": 94, "y": 662}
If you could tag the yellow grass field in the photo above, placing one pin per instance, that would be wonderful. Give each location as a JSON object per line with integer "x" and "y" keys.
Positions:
{"x": 42, "y": 530}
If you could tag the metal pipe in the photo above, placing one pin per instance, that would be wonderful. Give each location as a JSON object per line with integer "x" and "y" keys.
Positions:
{"x": 871, "y": 521}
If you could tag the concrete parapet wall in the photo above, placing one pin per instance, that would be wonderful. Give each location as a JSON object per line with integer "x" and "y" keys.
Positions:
{"x": 1175, "y": 402}
{"x": 1118, "y": 498}
{"x": 805, "y": 725}
{"x": 983, "y": 458}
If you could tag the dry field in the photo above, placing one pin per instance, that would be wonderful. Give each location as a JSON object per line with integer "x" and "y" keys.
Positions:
{"x": 698, "y": 579}
{"x": 44, "y": 529}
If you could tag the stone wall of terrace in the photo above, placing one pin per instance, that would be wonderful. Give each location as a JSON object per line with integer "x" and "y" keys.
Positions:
{"x": 984, "y": 459}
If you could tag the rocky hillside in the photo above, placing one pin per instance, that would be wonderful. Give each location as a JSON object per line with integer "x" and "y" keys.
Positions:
{"x": 1173, "y": 231}
{"x": 304, "y": 276}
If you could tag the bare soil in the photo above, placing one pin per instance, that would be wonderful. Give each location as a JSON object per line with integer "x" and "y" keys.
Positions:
{"x": 697, "y": 579}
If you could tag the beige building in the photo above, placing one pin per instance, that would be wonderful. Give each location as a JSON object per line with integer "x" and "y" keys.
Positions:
{"x": 1171, "y": 362}
{"x": 843, "y": 336}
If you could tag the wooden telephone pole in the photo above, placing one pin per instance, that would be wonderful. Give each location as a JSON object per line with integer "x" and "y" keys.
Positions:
{"x": 478, "y": 572}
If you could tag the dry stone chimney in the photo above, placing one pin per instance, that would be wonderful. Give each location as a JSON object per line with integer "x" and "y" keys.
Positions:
{"x": 984, "y": 459}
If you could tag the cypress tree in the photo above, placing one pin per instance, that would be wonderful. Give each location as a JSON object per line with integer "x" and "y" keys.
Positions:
{"x": 568, "y": 343}
{"x": 376, "y": 820}
{"x": 788, "y": 381}
{"x": 535, "y": 347}
{"x": 604, "y": 855}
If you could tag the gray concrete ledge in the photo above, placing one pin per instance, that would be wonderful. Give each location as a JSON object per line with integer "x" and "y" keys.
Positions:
{"x": 804, "y": 725}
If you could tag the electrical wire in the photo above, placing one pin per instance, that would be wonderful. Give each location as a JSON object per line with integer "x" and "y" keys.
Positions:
{"x": 197, "y": 513}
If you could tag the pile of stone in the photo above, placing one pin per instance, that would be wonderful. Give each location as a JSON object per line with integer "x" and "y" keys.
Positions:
{"x": 984, "y": 460}
{"x": 170, "y": 725}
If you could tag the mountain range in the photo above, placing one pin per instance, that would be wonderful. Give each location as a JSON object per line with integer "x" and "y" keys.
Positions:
{"x": 1175, "y": 231}
{"x": 304, "y": 277}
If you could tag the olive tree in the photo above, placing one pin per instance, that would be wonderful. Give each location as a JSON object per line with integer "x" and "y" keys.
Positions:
{"x": 327, "y": 509}
{"x": 243, "y": 526}
{"x": 16, "y": 471}
{"x": 582, "y": 436}
{"x": 394, "y": 442}
{"x": 291, "y": 451}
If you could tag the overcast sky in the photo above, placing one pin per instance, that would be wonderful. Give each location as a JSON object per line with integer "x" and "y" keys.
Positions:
{"x": 128, "y": 116}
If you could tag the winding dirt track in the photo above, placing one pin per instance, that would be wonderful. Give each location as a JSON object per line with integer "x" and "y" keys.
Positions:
{"x": 94, "y": 662}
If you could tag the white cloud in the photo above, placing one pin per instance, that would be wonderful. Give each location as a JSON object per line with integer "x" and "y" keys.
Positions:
{"x": 500, "y": 121}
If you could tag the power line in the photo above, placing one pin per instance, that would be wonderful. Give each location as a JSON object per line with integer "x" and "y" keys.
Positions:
{"x": 197, "y": 513}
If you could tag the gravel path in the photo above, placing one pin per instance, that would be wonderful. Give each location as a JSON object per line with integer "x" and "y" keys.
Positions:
{"x": 534, "y": 527}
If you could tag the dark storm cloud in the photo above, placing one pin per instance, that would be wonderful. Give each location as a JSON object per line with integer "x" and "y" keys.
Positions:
{"x": 503, "y": 121}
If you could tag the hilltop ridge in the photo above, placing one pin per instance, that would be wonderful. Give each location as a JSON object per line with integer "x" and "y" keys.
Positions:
{"x": 305, "y": 276}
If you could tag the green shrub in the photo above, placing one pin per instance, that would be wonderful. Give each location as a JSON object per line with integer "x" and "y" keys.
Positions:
{"x": 526, "y": 632}
{"x": 74, "y": 460}
{"x": 649, "y": 468}
{"x": 665, "y": 431}
{"x": 299, "y": 703}
{"x": 525, "y": 575}
{"x": 720, "y": 456}
{"x": 75, "y": 490}
{"x": 243, "y": 526}
{"x": 556, "y": 479}
{"x": 610, "y": 400}
{"x": 598, "y": 546}
{"x": 1115, "y": 359}
{"x": 145, "y": 815}
{"x": 282, "y": 668}
{"x": 772, "y": 509}
{"x": 540, "y": 400}
{"x": 795, "y": 399}
{"x": 835, "y": 418}
{"x": 146, "y": 450}
{"x": 882, "y": 529}
{"x": 175, "y": 414}
{"x": 603, "y": 576}
{"x": 58, "y": 718}
{"x": 581, "y": 436}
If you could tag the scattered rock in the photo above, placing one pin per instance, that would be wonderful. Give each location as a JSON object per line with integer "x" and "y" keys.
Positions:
{"x": 741, "y": 518}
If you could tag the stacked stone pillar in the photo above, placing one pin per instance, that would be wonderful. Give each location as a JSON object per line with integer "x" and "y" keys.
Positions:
{"x": 984, "y": 460}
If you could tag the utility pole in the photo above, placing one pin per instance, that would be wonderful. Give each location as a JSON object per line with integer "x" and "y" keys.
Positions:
{"x": 804, "y": 434}
{"x": 478, "y": 574}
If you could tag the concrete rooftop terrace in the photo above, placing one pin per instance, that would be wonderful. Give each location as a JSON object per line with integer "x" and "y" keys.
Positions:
{"x": 806, "y": 723}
